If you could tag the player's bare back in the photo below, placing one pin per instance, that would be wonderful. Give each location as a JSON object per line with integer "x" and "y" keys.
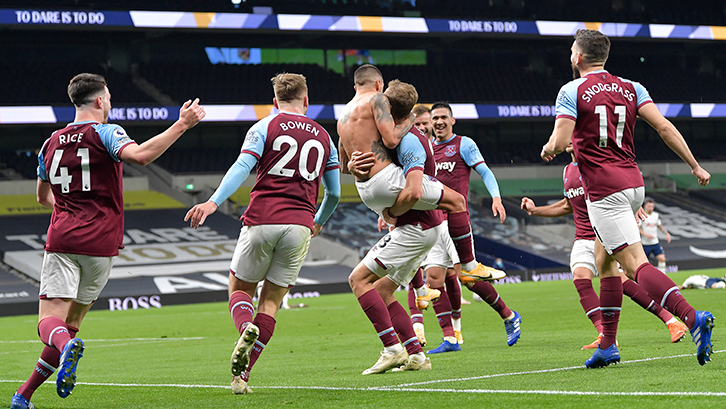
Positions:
{"x": 358, "y": 132}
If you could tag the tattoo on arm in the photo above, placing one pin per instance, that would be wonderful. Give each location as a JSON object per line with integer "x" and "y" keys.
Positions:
{"x": 380, "y": 150}
{"x": 344, "y": 118}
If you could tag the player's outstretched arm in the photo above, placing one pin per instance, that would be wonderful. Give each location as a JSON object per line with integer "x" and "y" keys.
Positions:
{"x": 189, "y": 115}
{"x": 560, "y": 138}
{"x": 668, "y": 235}
{"x": 360, "y": 164}
{"x": 233, "y": 179}
{"x": 44, "y": 194}
{"x": 670, "y": 135}
{"x": 391, "y": 133}
{"x": 331, "y": 184}
{"x": 558, "y": 209}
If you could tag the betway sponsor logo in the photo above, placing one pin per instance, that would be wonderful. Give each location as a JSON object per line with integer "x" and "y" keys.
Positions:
{"x": 551, "y": 276}
{"x": 448, "y": 166}
{"x": 570, "y": 193}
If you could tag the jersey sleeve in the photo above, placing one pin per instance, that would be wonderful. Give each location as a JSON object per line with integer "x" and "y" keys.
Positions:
{"x": 42, "y": 172}
{"x": 114, "y": 138}
{"x": 658, "y": 223}
{"x": 642, "y": 94}
{"x": 564, "y": 172}
{"x": 254, "y": 142}
{"x": 411, "y": 154}
{"x": 566, "y": 104}
{"x": 333, "y": 160}
{"x": 470, "y": 152}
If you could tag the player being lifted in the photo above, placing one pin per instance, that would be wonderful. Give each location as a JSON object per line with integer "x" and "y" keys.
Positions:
{"x": 366, "y": 126}
{"x": 393, "y": 261}
{"x": 455, "y": 157}
{"x": 292, "y": 154}
{"x": 597, "y": 113}
{"x": 79, "y": 177}
{"x": 582, "y": 256}
{"x": 649, "y": 233}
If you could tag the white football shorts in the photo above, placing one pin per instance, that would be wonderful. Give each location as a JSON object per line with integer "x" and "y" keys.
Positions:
{"x": 381, "y": 190}
{"x": 583, "y": 255}
{"x": 273, "y": 252}
{"x": 400, "y": 252}
{"x": 613, "y": 218}
{"x": 443, "y": 254}
{"x": 75, "y": 276}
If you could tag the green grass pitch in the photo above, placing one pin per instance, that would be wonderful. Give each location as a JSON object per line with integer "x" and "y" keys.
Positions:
{"x": 179, "y": 357}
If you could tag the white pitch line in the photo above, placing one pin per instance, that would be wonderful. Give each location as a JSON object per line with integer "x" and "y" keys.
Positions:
{"x": 112, "y": 340}
{"x": 389, "y": 389}
{"x": 472, "y": 378}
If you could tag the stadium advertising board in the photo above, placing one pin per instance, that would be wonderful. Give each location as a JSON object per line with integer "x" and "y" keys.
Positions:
{"x": 303, "y": 22}
{"x": 232, "y": 113}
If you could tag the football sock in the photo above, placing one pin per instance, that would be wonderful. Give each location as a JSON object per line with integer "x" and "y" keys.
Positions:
{"x": 54, "y": 332}
{"x": 44, "y": 368}
{"x": 590, "y": 302}
{"x": 416, "y": 315}
{"x": 417, "y": 281}
{"x": 404, "y": 328}
{"x": 456, "y": 323}
{"x": 241, "y": 308}
{"x": 377, "y": 313}
{"x": 662, "y": 266}
{"x": 453, "y": 288}
{"x": 442, "y": 307}
{"x": 665, "y": 291}
{"x": 486, "y": 291}
{"x": 641, "y": 297}
{"x": 460, "y": 232}
{"x": 266, "y": 324}
{"x": 611, "y": 299}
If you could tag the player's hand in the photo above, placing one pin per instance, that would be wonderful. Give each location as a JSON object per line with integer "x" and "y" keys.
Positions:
{"x": 316, "y": 229}
{"x": 650, "y": 236}
{"x": 498, "y": 209}
{"x": 702, "y": 176}
{"x": 191, "y": 113}
{"x": 360, "y": 164}
{"x": 388, "y": 217}
{"x": 641, "y": 215}
{"x": 548, "y": 153}
{"x": 668, "y": 238}
{"x": 528, "y": 205}
{"x": 198, "y": 214}
{"x": 382, "y": 224}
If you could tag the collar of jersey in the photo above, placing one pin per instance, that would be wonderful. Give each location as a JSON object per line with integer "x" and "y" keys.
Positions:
{"x": 595, "y": 72}
{"x": 82, "y": 122}
{"x": 291, "y": 113}
{"x": 448, "y": 140}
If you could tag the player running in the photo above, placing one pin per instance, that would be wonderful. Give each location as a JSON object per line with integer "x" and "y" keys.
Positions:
{"x": 79, "y": 177}
{"x": 582, "y": 256}
{"x": 597, "y": 113}
{"x": 649, "y": 234}
{"x": 456, "y": 156}
{"x": 292, "y": 154}
{"x": 366, "y": 126}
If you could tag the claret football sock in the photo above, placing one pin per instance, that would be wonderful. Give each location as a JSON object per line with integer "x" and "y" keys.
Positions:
{"x": 453, "y": 289}
{"x": 489, "y": 294}
{"x": 641, "y": 297}
{"x": 590, "y": 302}
{"x": 460, "y": 232}
{"x": 376, "y": 311}
{"x": 404, "y": 328}
{"x": 53, "y": 331}
{"x": 665, "y": 291}
{"x": 242, "y": 309}
{"x": 442, "y": 307}
{"x": 611, "y": 300}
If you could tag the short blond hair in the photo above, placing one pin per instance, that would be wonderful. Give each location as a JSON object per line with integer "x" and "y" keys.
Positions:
{"x": 288, "y": 86}
{"x": 402, "y": 96}
{"x": 420, "y": 110}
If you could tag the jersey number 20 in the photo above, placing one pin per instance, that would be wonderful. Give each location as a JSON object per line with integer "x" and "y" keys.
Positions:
{"x": 601, "y": 111}
{"x": 59, "y": 174}
{"x": 279, "y": 168}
